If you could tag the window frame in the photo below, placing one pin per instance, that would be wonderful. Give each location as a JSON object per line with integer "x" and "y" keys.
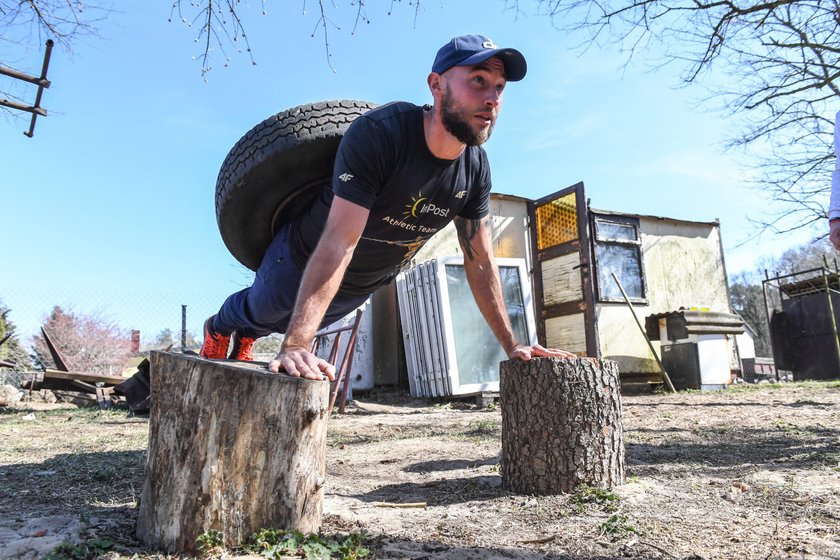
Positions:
{"x": 428, "y": 329}
{"x": 635, "y": 245}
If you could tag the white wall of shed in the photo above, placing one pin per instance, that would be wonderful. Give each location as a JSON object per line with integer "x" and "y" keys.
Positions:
{"x": 683, "y": 267}
{"x": 508, "y": 232}
{"x": 746, "y": 345}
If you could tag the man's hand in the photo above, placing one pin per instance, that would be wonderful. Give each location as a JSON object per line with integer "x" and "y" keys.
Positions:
{"x": 525, "y": 353}
{"x": 300, "y": 362}
{"x": 834, "y": 234}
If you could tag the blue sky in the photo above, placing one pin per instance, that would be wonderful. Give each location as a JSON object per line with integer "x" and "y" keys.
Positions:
{"x": 115, "y": 192}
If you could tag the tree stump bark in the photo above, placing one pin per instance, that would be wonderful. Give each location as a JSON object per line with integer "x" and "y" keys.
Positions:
{"x": 232, "y": 448}
{"x": 561, "y": 425}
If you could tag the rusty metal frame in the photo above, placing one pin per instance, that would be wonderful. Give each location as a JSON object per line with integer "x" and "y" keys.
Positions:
{"x": 346, "y": 361}
{"x": 42, "y": 83}
{"x": 60, "y": 362}
{"x": 817, "y": 280}
{"x": 103, "y": 397}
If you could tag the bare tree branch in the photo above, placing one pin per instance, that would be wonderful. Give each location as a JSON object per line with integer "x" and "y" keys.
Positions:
{"x": 783, "y": 61}
{"x": 31, "y": 22}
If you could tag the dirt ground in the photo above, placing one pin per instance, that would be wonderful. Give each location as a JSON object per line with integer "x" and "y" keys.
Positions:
{"x": 752, "y": 472}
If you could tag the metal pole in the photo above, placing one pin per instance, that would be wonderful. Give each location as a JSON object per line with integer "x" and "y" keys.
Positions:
{"x": 44, "y": 83}
{"x": 769, "y": 328}
{"x": 183, "y": 328}
{"x": 6, "y": 71}
{"x": 22, "y": 107}
{"x": 665, "y": 376}
{"x": 833, "y": 320}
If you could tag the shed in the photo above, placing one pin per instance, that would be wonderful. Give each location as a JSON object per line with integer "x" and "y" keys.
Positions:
{"x": 570, "y": 251}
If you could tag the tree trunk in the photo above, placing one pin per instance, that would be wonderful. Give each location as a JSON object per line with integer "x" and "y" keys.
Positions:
{"x": 232, "y": 448}
{"x": 561, "y": 425}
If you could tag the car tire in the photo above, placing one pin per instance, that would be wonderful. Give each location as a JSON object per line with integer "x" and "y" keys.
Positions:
{"x": 275, "y": 170}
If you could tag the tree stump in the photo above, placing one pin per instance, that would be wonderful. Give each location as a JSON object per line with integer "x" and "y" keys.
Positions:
{"x": 561, "y": 425}
{"x": 232, "y": 448}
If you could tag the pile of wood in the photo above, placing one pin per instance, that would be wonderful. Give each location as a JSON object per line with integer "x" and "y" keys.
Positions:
{"x": 104, "y": 390}
{"x": 85, "y": 386}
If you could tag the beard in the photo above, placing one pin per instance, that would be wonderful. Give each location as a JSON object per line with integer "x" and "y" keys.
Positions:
{"x": 456, "y": 121}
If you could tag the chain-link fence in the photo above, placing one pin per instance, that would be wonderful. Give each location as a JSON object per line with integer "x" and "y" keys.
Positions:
{"x": 152, "y": 319}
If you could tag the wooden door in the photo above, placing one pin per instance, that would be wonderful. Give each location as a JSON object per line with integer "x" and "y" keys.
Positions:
{"x": 562, "y": 257}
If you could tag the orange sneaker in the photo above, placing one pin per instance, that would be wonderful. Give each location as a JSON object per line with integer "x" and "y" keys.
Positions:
{"x": 241, "y": 350}
{"x": 215, "y": 344}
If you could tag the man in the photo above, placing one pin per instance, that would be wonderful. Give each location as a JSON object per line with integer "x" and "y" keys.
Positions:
{"x": 402, "y": 173}
{"x": 834, "y": 203}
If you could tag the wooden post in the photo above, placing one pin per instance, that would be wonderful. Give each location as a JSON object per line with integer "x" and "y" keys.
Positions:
{"x": 561, "y": 425}
{"x": 232, "y": 448}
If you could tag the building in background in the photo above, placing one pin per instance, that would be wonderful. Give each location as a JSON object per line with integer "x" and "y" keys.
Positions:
{"x": 573, "y": 255}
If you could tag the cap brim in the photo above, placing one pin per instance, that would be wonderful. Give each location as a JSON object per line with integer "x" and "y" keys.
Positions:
{"x": 515, "y": 65}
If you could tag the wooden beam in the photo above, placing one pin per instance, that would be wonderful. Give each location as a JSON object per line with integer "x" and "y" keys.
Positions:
{"x": 85, "y": 377}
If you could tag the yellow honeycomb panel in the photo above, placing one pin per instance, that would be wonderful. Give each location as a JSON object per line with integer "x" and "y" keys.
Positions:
{"x": 557, "y": 221}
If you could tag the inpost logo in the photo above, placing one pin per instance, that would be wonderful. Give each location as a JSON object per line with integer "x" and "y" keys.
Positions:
{"x": 418, "y": 206}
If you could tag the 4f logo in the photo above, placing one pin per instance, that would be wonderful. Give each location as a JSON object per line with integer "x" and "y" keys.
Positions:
{"x": 345, "y": 177}
{"x": 460, "y": 194}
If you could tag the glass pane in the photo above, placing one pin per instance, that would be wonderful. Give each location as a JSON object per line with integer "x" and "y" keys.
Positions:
{"x": 557, "y": 221}
{"x": 624, "y": 261}
{"x": 614, "y": 231}
{"x": 477, "y": 351}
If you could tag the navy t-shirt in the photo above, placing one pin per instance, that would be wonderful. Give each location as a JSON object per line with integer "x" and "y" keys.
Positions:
{"x": 384, "y": 165}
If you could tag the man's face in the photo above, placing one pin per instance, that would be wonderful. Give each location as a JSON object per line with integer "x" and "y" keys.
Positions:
{"x": 472, "y": 99}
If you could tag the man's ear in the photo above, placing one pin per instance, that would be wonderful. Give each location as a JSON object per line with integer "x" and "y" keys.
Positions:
{"x": 435, "y": 82}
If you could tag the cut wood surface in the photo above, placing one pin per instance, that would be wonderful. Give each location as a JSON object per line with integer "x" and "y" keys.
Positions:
{"x": 232, "y": 448}
{"x": 561, "y": 425}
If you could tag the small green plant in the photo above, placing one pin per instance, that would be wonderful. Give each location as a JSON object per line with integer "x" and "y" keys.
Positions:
{"x": 605, "y": 498}
{"x": 787, "y": 428}
{"x": 88, "y": 550}
{"x": 273, "y": 543}
{"x": 484, "y": 427}
{"x": 210, "y": 541}
{"x": 724, "y": 430}
{"x": 617, "y": 525}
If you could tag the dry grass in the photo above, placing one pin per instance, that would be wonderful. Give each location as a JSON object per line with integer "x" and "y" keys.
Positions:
{"x": 747, "y": 473}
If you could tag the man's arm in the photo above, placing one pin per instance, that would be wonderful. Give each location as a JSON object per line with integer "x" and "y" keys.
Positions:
{"x": 320, "y": 282}
{"x": 486, "y": 286}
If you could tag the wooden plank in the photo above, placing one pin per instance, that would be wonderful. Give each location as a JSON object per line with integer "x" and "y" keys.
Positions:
{"x": 561, "y": 280}
{"x": 84, "y": 377}
{"x": 567, "y": 332}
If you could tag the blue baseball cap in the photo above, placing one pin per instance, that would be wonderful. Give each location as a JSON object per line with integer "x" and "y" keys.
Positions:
{"x": 467, "y": 50}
